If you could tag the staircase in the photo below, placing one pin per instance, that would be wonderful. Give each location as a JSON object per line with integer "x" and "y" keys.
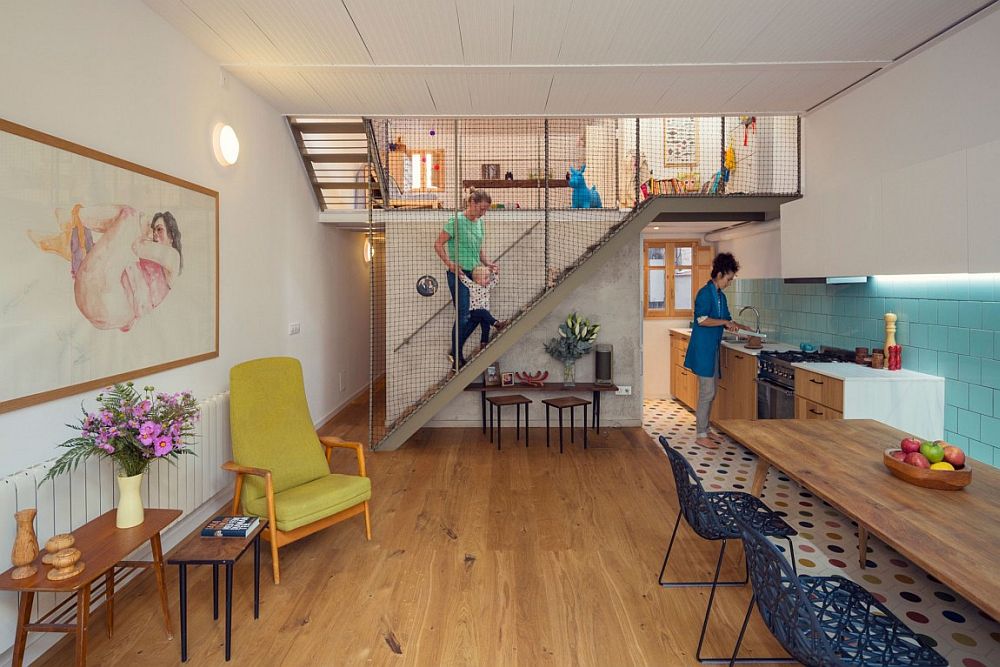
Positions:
{"x": 624, "y": 233}
{"x": 335, "y": 156}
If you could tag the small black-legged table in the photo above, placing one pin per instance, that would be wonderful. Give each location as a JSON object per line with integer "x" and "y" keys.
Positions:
{"x": 552, "y": 387}
{"x": 571, "y": 402}
{"x": 498, "y": 402}
{"x": 216, "y": 551}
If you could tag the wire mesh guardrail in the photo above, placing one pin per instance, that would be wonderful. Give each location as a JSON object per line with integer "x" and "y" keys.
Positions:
{"x": 481, "y": 216}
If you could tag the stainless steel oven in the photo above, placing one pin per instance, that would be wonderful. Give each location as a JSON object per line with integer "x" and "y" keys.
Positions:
{"x": 774, "y": 401}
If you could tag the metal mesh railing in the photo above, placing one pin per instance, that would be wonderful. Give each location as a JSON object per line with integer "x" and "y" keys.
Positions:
{"x": 554, "y": 188}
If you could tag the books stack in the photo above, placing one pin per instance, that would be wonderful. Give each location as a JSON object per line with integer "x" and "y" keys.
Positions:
{"x": 230, "y": 526}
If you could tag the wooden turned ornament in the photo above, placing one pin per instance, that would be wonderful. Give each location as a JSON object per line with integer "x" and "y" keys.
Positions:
{"x": 22, "y": 556}
{"x": 57, "y": 543}
{"x": 66, "y": 563}
{"x": 890, "y": 336}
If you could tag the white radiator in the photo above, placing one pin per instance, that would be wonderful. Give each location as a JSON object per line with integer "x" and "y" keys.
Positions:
{"x": 73, "y": 499}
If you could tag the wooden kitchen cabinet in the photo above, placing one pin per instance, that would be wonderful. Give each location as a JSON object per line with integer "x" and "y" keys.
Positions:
{"x": 818, "y": 396}
{"x": 736, "y": 395}
{"x": 683, "y": 383}
{"x": 806, "y": 409}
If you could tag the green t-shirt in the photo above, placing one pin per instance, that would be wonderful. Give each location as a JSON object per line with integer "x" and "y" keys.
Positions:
{"x": 470, "y": 240}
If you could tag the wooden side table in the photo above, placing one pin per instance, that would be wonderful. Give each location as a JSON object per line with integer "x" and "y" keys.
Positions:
{"x": 561, "y": 404}
{"x": 216, "y": 551}
{"x": 498, "y": 402}
{"x": 103, "y": 547}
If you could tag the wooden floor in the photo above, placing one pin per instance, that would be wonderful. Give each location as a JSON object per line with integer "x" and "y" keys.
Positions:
{"x": 478, "y": 557}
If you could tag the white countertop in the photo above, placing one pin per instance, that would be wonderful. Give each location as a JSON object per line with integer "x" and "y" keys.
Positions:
{"x": 776, "y": 346}
{"x": 849, "y": 371}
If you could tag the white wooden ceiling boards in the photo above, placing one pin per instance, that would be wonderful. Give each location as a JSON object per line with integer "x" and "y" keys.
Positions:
{"x": 556, "y": 57}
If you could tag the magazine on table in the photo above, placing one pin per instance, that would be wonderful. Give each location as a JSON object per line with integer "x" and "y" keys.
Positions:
{"x": 230, "y": 526}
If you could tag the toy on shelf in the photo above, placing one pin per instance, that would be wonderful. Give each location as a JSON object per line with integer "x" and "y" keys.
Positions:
{"x": 536, "y": 379}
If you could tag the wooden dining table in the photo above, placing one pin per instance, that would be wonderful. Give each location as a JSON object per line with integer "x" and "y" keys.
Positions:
{"x": 952, "y": 535}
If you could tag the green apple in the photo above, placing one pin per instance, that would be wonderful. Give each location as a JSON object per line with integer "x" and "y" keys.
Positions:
{"x": 932, "y": 451}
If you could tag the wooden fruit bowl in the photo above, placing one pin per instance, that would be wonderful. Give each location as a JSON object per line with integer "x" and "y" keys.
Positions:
{"x": 945, "y": 480}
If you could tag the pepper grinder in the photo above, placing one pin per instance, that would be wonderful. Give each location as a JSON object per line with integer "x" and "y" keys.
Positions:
{"x": 890, "y": 335}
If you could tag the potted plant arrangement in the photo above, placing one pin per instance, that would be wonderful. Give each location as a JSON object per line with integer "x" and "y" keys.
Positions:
{"x": 576, "y": 338}
{"x": 132, "y": 428}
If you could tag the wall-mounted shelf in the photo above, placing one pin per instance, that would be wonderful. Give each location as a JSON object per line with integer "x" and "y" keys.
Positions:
{"x": 522, "y": 183}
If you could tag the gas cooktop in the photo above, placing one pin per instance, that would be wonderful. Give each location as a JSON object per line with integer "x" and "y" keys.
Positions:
{"x": 792, "y": 356}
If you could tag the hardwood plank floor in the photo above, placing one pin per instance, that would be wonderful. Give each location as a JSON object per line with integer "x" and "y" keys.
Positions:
{"x": 478, "y": 557}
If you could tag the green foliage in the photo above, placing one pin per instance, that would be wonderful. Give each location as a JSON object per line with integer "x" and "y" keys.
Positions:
{"x": 576, "y": 338}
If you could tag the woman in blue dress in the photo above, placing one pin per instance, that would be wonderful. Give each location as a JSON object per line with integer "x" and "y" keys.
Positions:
{"x": 711, "y": 316}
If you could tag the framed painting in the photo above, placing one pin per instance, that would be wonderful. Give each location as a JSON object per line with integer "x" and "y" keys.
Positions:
{"x": 680, "y": 142}
{"x": 108, "y": 270}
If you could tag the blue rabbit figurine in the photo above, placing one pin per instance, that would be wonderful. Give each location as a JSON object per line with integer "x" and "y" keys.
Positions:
{"x": 581, "y": 193}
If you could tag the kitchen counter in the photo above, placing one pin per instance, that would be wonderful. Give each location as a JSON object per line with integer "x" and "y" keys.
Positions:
{"x": 776, "y": 346}
{"x": 849, "y": 372}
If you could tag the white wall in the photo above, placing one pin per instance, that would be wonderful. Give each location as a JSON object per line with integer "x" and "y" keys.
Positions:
{"x": 900, "y": 173}
{"x": 759, "y": 255}
{"x": 113, "y": 76}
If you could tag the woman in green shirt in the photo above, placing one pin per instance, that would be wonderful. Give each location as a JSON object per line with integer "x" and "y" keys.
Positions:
{"x": 460, "y": 247}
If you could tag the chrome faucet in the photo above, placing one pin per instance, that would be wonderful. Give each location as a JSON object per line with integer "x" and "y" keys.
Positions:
{"x": 755, "y": 312}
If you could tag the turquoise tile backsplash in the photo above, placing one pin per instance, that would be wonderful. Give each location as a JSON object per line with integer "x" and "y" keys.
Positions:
{"x": 948, "y": 326}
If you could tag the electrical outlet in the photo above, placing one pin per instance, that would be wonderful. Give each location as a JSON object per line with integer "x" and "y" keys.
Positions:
{"x": 624, "y": 390}
{"x": 294, "y": 328}
{"x": 341, "y": 376}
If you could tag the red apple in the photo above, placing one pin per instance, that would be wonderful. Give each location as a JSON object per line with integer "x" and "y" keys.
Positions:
{"x": 910, "y": 445}
{"x": 954, "y": 455}
{"x": 917, "y": 459}
{"x": 898, "y": 454}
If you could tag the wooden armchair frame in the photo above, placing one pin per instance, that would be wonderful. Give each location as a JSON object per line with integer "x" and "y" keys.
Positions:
{"x": 279, "y": 538}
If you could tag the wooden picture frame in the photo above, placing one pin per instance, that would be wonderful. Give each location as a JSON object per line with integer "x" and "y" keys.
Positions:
{"x": 680, "y": 142}
{"x": 490, "y": 171}
{"x": 110, "y": 269}
{"x": 506, "y": 379}
{"x": 491, "y": 376}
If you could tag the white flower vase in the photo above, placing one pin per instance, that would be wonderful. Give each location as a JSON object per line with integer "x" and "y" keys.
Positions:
{"x": 130, "y": 510}
{"x": 569, "y": 373}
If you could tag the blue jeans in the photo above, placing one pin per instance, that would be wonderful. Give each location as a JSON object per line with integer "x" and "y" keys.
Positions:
{"x": 458, "y": 332}
{"x": 480, "y": 317}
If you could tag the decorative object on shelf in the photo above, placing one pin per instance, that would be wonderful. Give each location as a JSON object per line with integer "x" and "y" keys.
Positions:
{"x": 509, "y": 176}
{"x": 567, "y": 176}
{"x": 603, "y": 364}
{"x": 749, "y": 124}
{"x": 491, "y": 376}
{"x": 583, "y": 197}
{"x": 576, "y": 338}
{"x": 489, "y": 171}
{"x": 860, "y": 355}
{"x": 506, "y": 379}
{"x": 433, "y": 132}
{"x": 536, "y": 379}
{"x": 132, "y": 428}
{"x": 890, "y": 334}
{"x": 944, "y": 480}
{"x": 894, "y": 358}
{"x": 753, "y": 343}
{"x": 22, "y": 556}
{"x": 595, "y": 198}
{"x": 57, "y": 543}
{"x": 66, "y": 564}
{"x": 427, "y": 285}
{"x": 877, "y": 358}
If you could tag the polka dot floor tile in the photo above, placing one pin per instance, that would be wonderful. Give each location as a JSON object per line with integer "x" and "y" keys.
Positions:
{"x": 827, "y": 544}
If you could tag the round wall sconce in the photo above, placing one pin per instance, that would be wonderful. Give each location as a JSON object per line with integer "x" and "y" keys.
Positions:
{"x": 369, "y": 251}
{"x": 226, "y": 145}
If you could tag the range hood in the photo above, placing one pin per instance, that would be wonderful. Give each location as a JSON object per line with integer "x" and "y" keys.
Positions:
{"x": 832, "y": 280}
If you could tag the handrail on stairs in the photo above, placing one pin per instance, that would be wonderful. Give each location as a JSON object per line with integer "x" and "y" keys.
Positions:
{"x": 376, "y": 159}
{"x": 448, "y": 305}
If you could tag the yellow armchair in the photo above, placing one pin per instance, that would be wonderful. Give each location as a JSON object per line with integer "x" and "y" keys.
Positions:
{"x": 281, "y": 471}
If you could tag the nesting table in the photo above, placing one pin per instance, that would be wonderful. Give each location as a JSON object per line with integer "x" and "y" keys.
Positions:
{"x": 216, "y": 551}
{"x": 553, "y": 387}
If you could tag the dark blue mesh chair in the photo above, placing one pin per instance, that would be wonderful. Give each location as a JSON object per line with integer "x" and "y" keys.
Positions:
{"x": 825, "y": 621}
{"x": 712, "y": 515}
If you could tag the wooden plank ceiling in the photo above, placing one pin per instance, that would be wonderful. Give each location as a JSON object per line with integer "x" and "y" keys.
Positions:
{"x": 558, "y": 57}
